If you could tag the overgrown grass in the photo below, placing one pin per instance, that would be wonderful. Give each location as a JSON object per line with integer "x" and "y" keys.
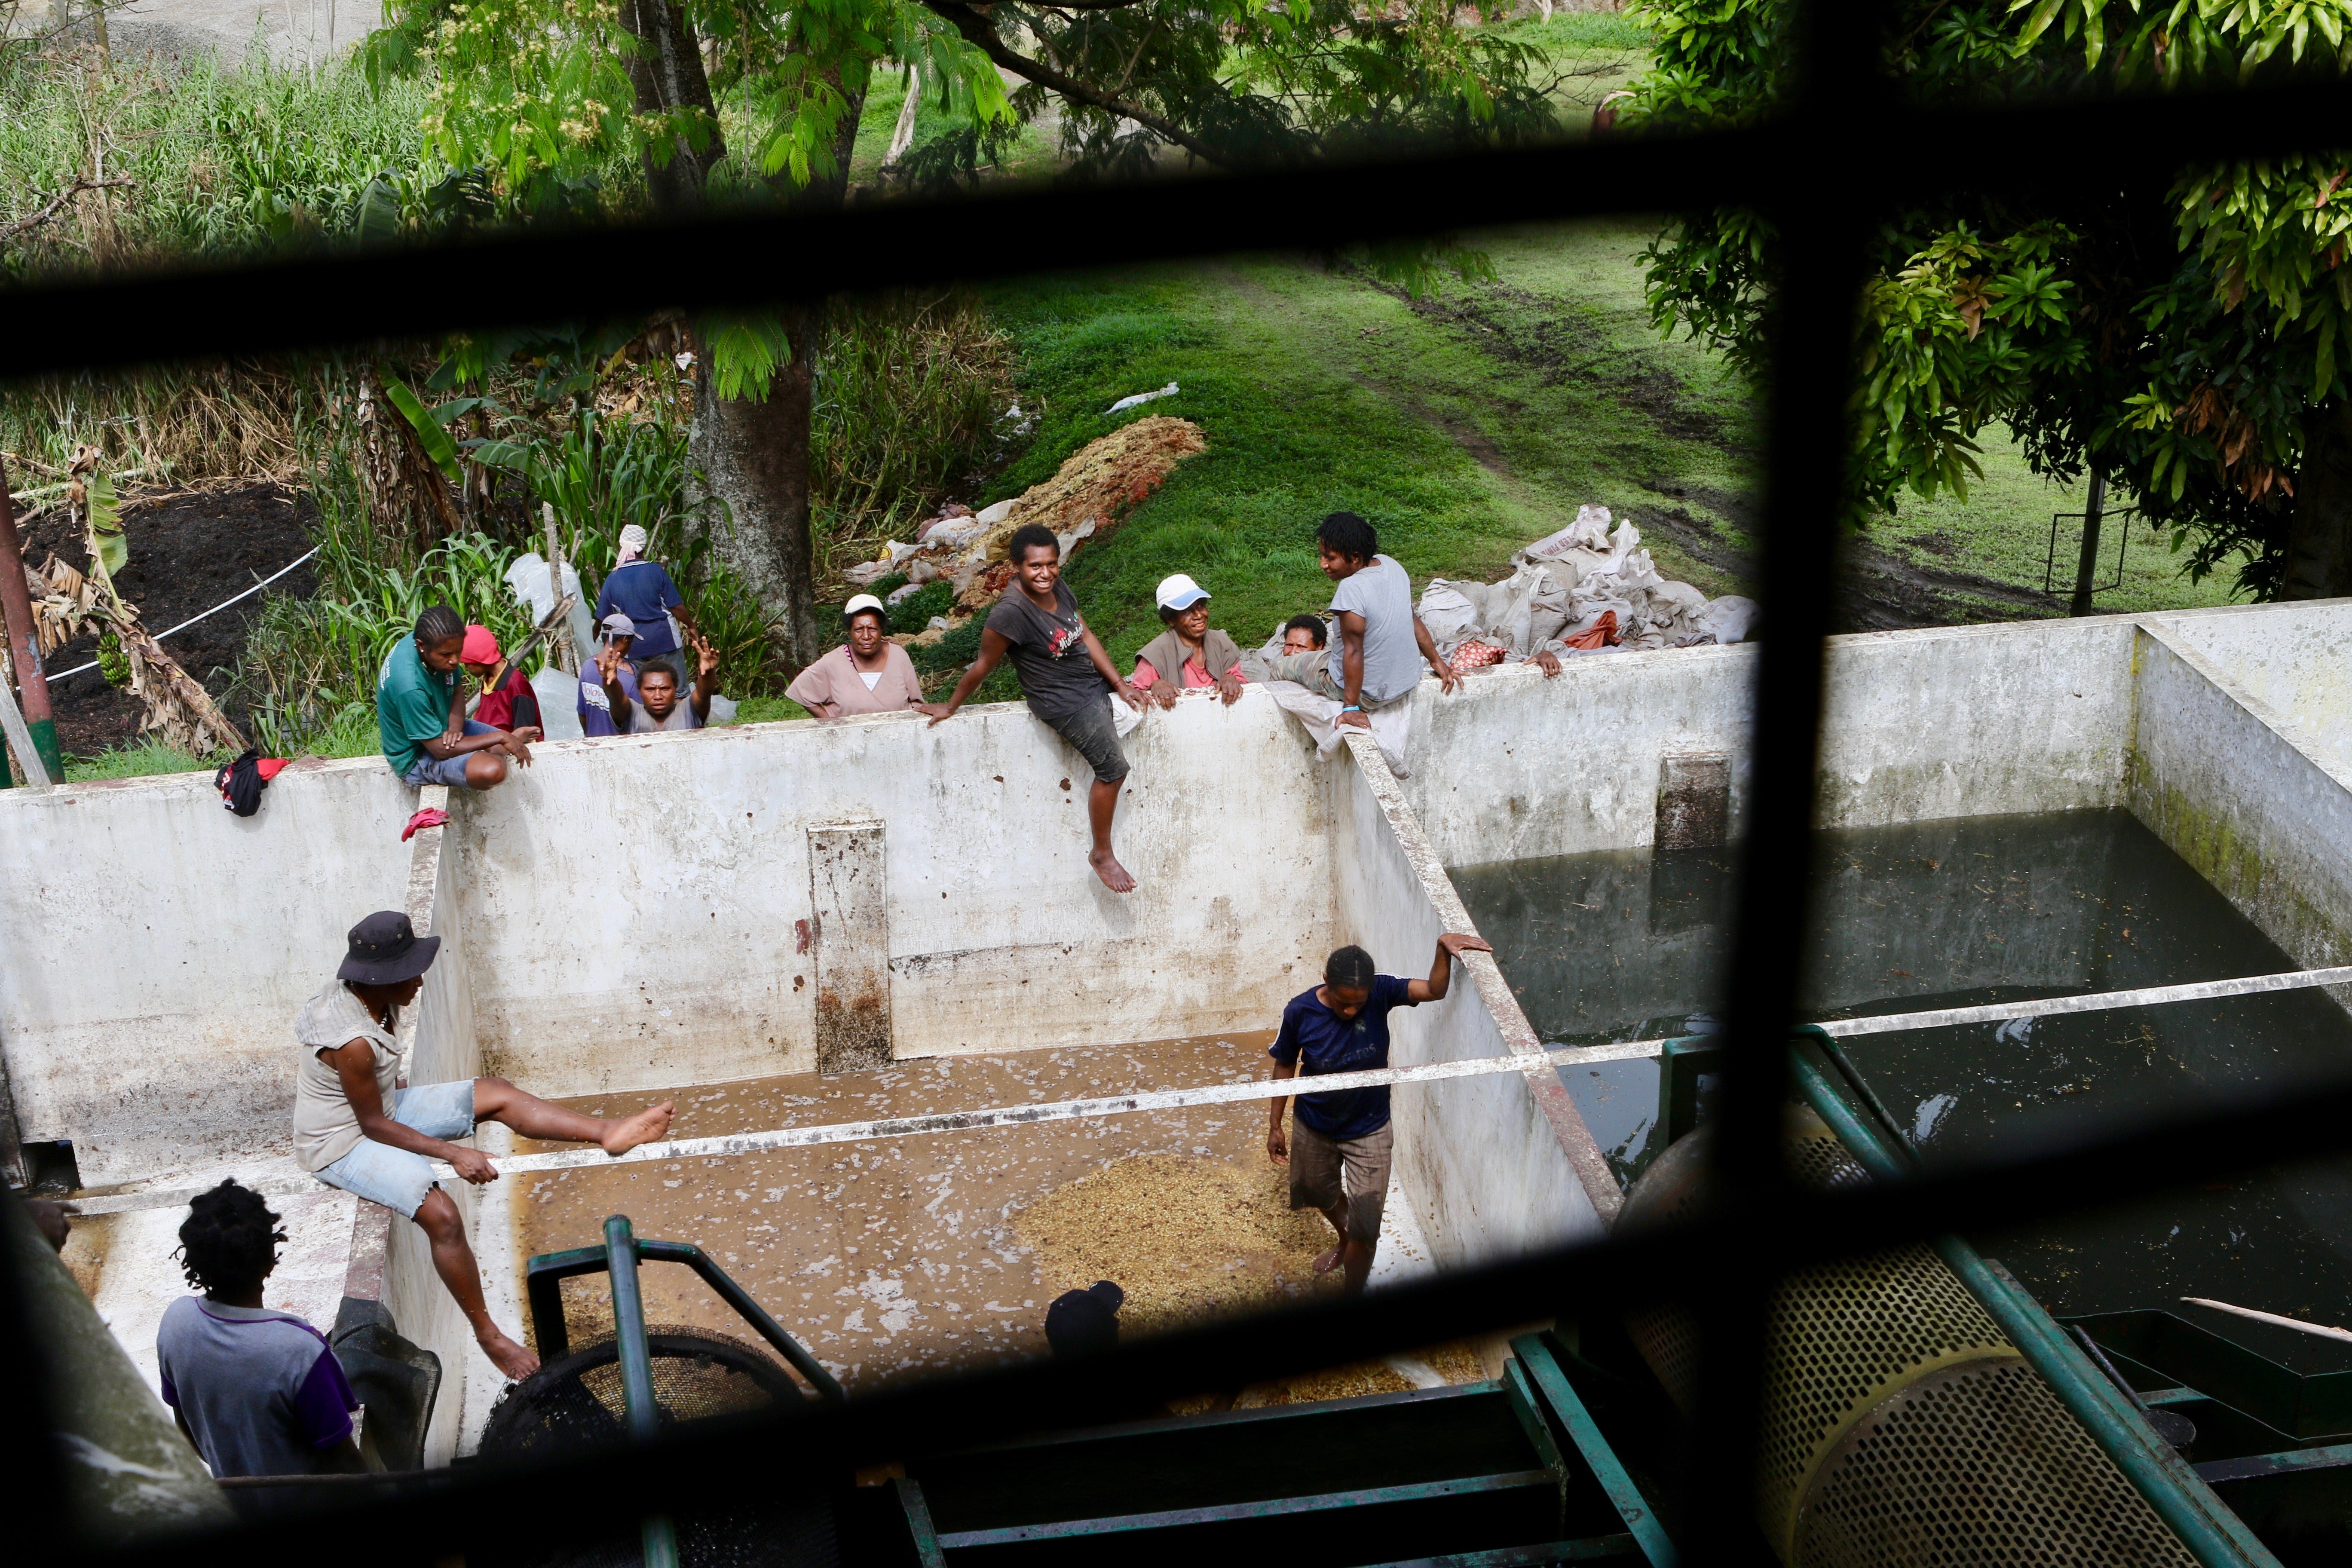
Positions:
{"x": 223, "y": 156}
{"x": 1292, "y": 434}
{"x": 142, "y": 759}
{"x": 1462, "y": 425}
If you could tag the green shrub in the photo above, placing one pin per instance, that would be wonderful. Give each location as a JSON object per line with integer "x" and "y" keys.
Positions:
{"x": 942, "y": 664}
{"x": 143, "y": 758}
{"x": 914, "y": 613}
{"x": 767, "y": 709}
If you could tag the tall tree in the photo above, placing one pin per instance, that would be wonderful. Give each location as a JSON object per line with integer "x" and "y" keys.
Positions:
{"x": 535, "y": 88}
{"x": 2181, "y": 338}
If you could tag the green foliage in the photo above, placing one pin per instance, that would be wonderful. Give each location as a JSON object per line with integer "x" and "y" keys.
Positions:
{"x": 2179, "y": 338}
{"x": 226, "y": 158}
{"x": 144, "y": 758}
{"x": 1292, "y": 436}
{"x": 105, "y": 519}
{"x": 768, "y": 710}
{"x": 310, "y": 662}
{"x": 906, "y": 404}
{"x": 913, "y": 614}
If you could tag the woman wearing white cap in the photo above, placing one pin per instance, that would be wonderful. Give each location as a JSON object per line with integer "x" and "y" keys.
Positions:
{"x": 641, "y": 590}
{"x": 868, "y": 674}
{"x": 1189, "y": 654}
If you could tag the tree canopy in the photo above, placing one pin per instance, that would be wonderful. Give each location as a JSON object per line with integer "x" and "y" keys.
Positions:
{"x": 543, "y": 102}
{"x": 2185, "y": 339}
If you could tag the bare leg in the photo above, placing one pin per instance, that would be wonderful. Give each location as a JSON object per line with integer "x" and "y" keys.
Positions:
{"x": 496, "y": 1099}
{"x": 1338, "y": 1214}
{"x": 454, "y": 1262}
{"x": 1358, "y": 1259}
{"x": 484, "y": 770}
{"x": 1101, "y": 801}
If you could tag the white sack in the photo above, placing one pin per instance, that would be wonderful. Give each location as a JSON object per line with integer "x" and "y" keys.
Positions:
{"x": 1729, "y": 619}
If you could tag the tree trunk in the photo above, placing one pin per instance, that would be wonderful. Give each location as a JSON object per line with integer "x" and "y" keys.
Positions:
{"x": 756, "y": 454}
{"x": 753, "y": 454}
{"x": 668, "y": 75}
{"x": 2319, "y": 534}
{"x": 2086, "y": 564}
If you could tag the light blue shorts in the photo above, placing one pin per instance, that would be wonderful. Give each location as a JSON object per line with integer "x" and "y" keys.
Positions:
{"x": 448, "y": 771}
{"x": 398, "y": 1178}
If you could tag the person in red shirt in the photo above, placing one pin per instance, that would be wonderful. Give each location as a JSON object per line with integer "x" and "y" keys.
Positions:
{"x": 507, "y": 701}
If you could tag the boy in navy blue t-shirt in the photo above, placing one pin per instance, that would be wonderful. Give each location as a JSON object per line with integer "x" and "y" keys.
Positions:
{"x": 1341, "y": 1139}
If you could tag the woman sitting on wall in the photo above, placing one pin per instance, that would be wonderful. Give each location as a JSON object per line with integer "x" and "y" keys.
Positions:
{"x": 868, "y": 674}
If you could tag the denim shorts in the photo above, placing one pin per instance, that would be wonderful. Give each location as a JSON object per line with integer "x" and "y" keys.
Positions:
{"x": 449, "y": 770}
{"x": 1094, "y": 731}
{"x": 399, "y": 1178}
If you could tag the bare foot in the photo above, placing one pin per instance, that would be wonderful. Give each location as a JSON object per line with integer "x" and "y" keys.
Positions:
{"x": 1328, "y": 1262}
{"x": 644, "y": 1127}
{"x": 505, "y": 1356}
{"x": 1114, "y": 875}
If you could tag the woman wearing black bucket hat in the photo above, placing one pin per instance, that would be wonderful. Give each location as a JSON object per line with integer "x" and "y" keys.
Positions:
{"x": 355, "y": 1128}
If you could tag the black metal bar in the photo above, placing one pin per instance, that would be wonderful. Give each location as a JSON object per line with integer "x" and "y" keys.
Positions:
{"x": 748, "y": 1310}
{"x": 1822, "y": 221}
{"x": 2254, "y": 1466}
{"x": 637, "y": 1358}
{"x": 751, "y": 257}
{"x": 1269, "y": 1508}
{"x": 543, "y": 1279}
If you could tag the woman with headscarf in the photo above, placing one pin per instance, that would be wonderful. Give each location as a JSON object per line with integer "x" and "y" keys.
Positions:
{"x": 641, "y": 590}
{"x": 868, "y": 674}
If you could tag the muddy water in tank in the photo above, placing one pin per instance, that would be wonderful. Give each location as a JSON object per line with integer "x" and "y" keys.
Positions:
{"x": 1612, "y": 947}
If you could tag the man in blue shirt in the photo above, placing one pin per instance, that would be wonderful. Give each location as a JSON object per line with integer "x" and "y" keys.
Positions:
{"x": 1339, "y": 1150}
{"x": 643, "y": 591}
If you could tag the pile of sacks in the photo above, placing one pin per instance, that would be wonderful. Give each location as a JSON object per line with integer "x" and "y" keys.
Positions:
{"x": 1086, "y": 498}
{"x": 1582, "y": 589}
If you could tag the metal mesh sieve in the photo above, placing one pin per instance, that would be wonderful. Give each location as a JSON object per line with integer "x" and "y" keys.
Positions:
{"x": 1898, "y": 1420}
{"x": 697, "y": 1375}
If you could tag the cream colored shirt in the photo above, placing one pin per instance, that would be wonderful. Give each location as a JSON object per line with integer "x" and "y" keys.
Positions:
{"x": 326, "y": 1128}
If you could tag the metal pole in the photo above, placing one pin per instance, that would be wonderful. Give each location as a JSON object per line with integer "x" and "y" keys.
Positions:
{"x": 2213, "y": 1535}
{"x": 637, "y": 1371}
{"x": 2086, "y": 566}
{"x": 24, "y": 642}
{"x": 1838, "y": 95}
{"x": 567, "y": 652}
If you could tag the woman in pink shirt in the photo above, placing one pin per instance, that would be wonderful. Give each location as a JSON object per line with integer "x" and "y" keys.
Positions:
{"x": 1190, "y": 655}
{"x": 868, "y": 674}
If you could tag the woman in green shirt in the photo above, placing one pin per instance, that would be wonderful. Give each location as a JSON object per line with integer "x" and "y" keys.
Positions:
{"x": 420, "y": 712}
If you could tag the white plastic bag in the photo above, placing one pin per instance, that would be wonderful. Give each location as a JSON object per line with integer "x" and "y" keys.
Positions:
{"x": 526, "y": 579}
{"x": 559, "y": 703}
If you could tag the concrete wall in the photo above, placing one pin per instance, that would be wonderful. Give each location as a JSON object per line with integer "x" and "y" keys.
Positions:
{"x": 2243, "y": 793}
{"x": 2290, "y": 657}
{"x": 158, "y": 948}
{"x": 632, "y": 904}
{"x": 438, "y": 1046}
{"x": 1511, "y": 765}
{"x": 1948, "y": 722}
{"x": 1494, "y": 1165}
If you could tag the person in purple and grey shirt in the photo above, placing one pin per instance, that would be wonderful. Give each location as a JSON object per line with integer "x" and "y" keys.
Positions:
{"x": 260, "y": 1392}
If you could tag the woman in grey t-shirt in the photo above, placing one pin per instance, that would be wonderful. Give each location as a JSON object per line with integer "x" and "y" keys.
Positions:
{"x": 1064, "y": 674}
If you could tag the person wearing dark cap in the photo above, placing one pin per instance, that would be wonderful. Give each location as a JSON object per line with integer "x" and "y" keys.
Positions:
{"x": 618, "y": 632}
{"x": 356, "y": 1127}
{"x": 1080, "y": 1321}
{"x": 1337, "y": 1149}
